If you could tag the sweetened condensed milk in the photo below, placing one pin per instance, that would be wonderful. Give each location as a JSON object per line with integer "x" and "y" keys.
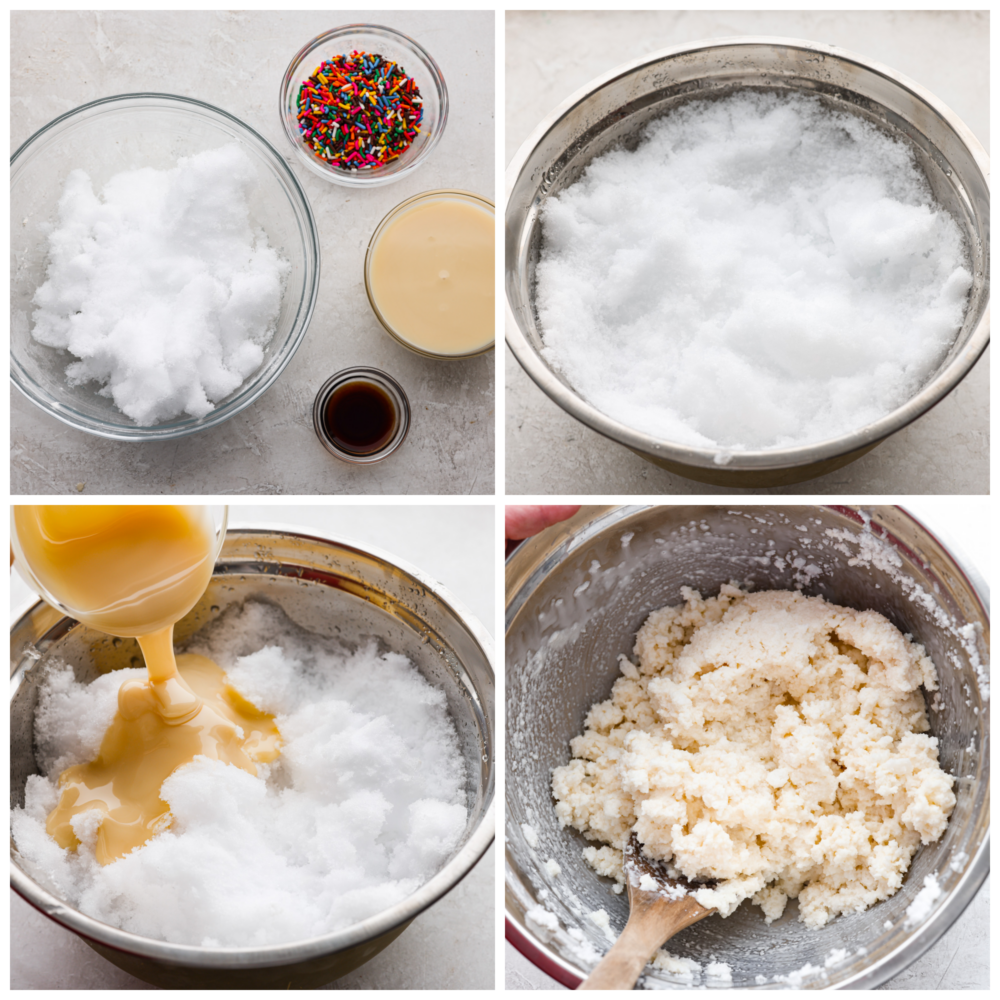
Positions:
{"x": 430, "y": 273}
{"x": 135, "y": 571}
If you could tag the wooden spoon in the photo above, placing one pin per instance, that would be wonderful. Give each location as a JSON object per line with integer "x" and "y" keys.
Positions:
{"x": 655, "y": 916}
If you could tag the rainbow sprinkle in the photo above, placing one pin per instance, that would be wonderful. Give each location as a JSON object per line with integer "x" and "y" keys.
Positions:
{"x": 359, "y": 112}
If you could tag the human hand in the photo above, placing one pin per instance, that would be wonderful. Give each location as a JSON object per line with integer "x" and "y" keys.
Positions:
{"x": 524, "y": 520}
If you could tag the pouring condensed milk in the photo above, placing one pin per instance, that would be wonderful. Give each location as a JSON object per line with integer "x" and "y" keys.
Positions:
{"x": 429, "y": 273}
{"x": 135, "y": 571}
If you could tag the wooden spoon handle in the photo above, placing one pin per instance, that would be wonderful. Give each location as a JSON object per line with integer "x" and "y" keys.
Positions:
{"x": 649, "y": 926}
{"x": 621, "y": 966}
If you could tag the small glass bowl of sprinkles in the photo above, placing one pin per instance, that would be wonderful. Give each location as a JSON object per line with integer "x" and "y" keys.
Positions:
{"x": 363, "y": 105}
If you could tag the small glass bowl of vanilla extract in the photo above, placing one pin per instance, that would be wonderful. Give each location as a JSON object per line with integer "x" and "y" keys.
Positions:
{"x": 361, "y": 415}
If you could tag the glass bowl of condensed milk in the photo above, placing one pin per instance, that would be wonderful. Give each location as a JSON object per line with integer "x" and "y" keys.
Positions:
{"x": 429, "y": 274}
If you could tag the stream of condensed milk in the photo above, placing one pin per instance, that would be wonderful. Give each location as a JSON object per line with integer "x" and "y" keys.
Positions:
{"x": 135, "y": 571}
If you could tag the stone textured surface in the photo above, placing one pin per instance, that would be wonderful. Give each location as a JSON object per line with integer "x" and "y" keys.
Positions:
{"x": 449, "y": 946}
{"x": 549, "y": 55}
{"x": 235, "y": 60}
{"x": 960, "y": 960}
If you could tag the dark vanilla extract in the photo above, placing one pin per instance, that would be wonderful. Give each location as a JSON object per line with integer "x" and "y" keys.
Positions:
{"x": 360, "y": 417}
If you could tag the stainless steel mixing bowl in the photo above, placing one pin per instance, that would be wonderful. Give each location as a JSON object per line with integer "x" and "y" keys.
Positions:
{"x": 575, "y": 597}
{"x": 615, "y": 107}
{"x": 333, "y": 589}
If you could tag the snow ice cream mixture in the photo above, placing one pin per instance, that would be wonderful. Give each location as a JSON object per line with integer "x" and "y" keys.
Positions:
{"x": 772, "y": 741}
{"x": 161, "y": 287}
{"x": 760, "y": 272}
{"x": 365, "y": 803}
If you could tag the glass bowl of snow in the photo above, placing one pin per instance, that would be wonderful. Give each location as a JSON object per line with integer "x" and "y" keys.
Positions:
{"x": 164, "y": 266}
{"x": 380, "y": 802}
{"x": 749, "y": 260}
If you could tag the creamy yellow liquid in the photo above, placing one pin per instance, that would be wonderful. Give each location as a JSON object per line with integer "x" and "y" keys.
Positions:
{"x": 128, "y": 570}
{"x": 142, "y": 748}
{"x": 136, "y": 571}
{"x": 432, "y": 279}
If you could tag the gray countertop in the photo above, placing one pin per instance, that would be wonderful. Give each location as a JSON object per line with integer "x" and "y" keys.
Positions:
{"x": 551, "y": 54}
{"x": 449, "y": 946}
{"x": 235, "y": 60}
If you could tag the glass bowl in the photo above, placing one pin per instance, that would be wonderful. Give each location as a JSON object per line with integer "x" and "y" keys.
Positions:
{"x": 335, "y": 589}
{"x": 466, "y": 197}
{"x": 615, "y": 108}
{"x": 394, "y": 45}
{"x": 384, "y": 381}
{"x": 120, "y": 133}
{"x": 577, "y": 593}
{"x": 217, "y": 515}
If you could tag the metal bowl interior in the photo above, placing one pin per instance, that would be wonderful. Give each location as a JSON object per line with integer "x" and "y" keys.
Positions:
{"x": 332, "y": 589}
{"x": 126, "y": 132}
{"x": 576, "y": 596}
{"x": 614, "y": 109}
{"x": 416, "y": 62}
{"x": 477, "y": 201}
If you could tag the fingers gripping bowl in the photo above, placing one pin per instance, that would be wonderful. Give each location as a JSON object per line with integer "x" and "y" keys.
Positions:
{"x": 577, "y": 594}
{"x": 332, "y": 589}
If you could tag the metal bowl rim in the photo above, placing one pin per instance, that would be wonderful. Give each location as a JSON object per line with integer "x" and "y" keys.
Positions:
{"x": 931, "y": 393}
{"x": 543, "y": 957}
{"x": 303, "y": 315}
{"x": 280, "y": 954}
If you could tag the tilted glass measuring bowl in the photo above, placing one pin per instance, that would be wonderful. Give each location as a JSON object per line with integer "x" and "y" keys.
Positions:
{"x": 218, "y": 514}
